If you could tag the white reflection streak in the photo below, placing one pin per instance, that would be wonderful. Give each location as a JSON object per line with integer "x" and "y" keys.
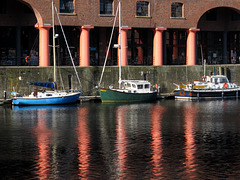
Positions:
{"x": 157, "y": 113}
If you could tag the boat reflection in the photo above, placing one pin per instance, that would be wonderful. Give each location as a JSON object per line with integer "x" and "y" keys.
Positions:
{"x": 17, "y": 108}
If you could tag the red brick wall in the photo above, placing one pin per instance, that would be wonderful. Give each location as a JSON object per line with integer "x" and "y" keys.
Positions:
{"x": 87, "y": 13}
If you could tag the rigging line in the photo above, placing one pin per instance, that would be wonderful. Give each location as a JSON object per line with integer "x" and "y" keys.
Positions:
{"x": 34, "y": 44}
{"x": 110, "y": 41}
{"x": 68, "y": 48}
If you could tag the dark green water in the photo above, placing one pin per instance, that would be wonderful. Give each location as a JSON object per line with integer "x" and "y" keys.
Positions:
{"x": 164, "y": 140}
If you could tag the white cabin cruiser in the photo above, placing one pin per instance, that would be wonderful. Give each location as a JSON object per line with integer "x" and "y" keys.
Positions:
{"x": 210, "y": 87}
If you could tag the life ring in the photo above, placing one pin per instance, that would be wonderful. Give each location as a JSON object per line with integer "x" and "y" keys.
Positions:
{"x": 28, "y": 59}
{"x": 225, "y": 85}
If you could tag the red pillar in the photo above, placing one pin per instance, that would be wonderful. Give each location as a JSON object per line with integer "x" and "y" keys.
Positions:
{"x": 84, "y": 58}
{"x": 44, "y": 52}
{"x": 158, "y": 47}
{"x": 175, "y": 48}
{"x": 191, "y": 47}
{"x": 124, "y": 46}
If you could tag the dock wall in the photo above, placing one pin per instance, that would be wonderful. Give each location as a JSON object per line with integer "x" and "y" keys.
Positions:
{"x": 17, "y": 78}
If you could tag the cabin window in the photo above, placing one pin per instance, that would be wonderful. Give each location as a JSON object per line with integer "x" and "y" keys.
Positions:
{"x": 222, "y": 80}
{"x": 128, "y": 85}
{"x": 214, "y": 80}
{"x": 106, "y": 7}
{"x": 66, "y": 6}
{"x": 142, "y": 8}
{"x": 177, "y": 10}
{"x": 133, "y": 85}
{"x": 48, "y": 94}
{"x": 147, "y": 86}
{"x": 140, "y": 86}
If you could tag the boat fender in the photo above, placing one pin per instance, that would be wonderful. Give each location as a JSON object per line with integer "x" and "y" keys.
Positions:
{"x": 27, "y": 59}
{"x": 225, "y": 85}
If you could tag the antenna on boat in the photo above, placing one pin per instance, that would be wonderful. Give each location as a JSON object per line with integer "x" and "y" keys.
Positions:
{"x": 119, "y": 49}
{"x": 204, "y": 67}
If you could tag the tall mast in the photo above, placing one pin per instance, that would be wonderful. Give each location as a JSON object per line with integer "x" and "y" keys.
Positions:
{"x": 54, "y": 46}
{"x": 119, "y": 50}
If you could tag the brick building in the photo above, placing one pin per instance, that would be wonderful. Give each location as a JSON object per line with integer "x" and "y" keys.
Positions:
{"x": 157, "y": 32}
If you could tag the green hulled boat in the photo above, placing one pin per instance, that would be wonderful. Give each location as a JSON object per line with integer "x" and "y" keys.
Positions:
{"x": 131, "y": 91}
{"x": 128, "y": 90}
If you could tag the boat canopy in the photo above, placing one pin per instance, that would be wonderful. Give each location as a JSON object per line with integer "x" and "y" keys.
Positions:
{"x": 51, "y": 85}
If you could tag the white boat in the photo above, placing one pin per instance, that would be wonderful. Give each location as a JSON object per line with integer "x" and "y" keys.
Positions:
{"x": 53, "y": 96}
{"x": 210, "y": 87}
{"x": 128, "y": 90}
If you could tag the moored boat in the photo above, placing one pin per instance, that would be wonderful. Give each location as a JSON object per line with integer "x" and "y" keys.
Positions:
{"x": 128, "y": 90}
{"x": 210, "y": 87}
{"x": 131, "y": 91}
{"x": 53, "y": 97}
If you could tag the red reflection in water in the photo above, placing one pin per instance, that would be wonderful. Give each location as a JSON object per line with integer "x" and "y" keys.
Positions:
{"x": 43, "y": 135}
{"x": 190, "y": 147}
{"x": 83, "y": 142}
{"x": 156, "y": 147}
{"x": 121, "y": 141}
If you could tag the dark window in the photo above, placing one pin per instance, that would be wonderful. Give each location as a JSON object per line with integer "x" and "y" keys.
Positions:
{"x": 66, "y": 6}
{"x": 142, "y": 8}
{"x": 235, "y": 16}
{"x": 106, "y": 7}
{"x": 3, "y": 7}
{"x": 211, "y": 15}
{"x": 140, "y": 86}
{"x": 176, "y": 10}
{"x": 147, "y": 86}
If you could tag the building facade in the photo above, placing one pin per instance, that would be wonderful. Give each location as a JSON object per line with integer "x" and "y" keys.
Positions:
{"x": 155, "y": 32}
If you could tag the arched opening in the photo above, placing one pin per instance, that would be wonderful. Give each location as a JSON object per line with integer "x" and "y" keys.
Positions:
{"x": 18, "y": 36}
{"x": 219, "y": 38}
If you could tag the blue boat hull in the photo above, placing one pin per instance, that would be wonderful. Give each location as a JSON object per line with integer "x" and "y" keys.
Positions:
{"x": 21, "y": 101}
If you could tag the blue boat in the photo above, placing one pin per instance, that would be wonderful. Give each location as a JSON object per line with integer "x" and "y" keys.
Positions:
{"x": 47, "y": 98}
{"x": 53, "y": 96}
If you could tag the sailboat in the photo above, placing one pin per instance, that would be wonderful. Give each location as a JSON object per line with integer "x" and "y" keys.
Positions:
{"x": 52, "y": 96}
{"x": 128, "y": 90}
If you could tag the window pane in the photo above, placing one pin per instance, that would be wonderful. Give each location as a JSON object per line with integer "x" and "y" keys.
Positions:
{"x": 66, "y": 6}
{"x": 3, "y": 7}
{"x": 142, "y": 8}
{"x": 106, "y": 6}
{"x": 176, "y": 10}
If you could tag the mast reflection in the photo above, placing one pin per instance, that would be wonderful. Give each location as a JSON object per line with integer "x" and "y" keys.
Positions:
{"x": 83, "y": 142}
{"x": 156, "y": 145}
{"x": 43, "y": 134}
{"x": 190, "y": 146}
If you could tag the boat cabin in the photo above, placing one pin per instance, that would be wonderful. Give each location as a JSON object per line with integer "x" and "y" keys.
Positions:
{"x": 217, "y": 79}
{"x": 136, "y": 86}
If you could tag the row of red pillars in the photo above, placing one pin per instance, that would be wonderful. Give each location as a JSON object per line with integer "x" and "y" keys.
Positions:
{"x": 84, "y": 60}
